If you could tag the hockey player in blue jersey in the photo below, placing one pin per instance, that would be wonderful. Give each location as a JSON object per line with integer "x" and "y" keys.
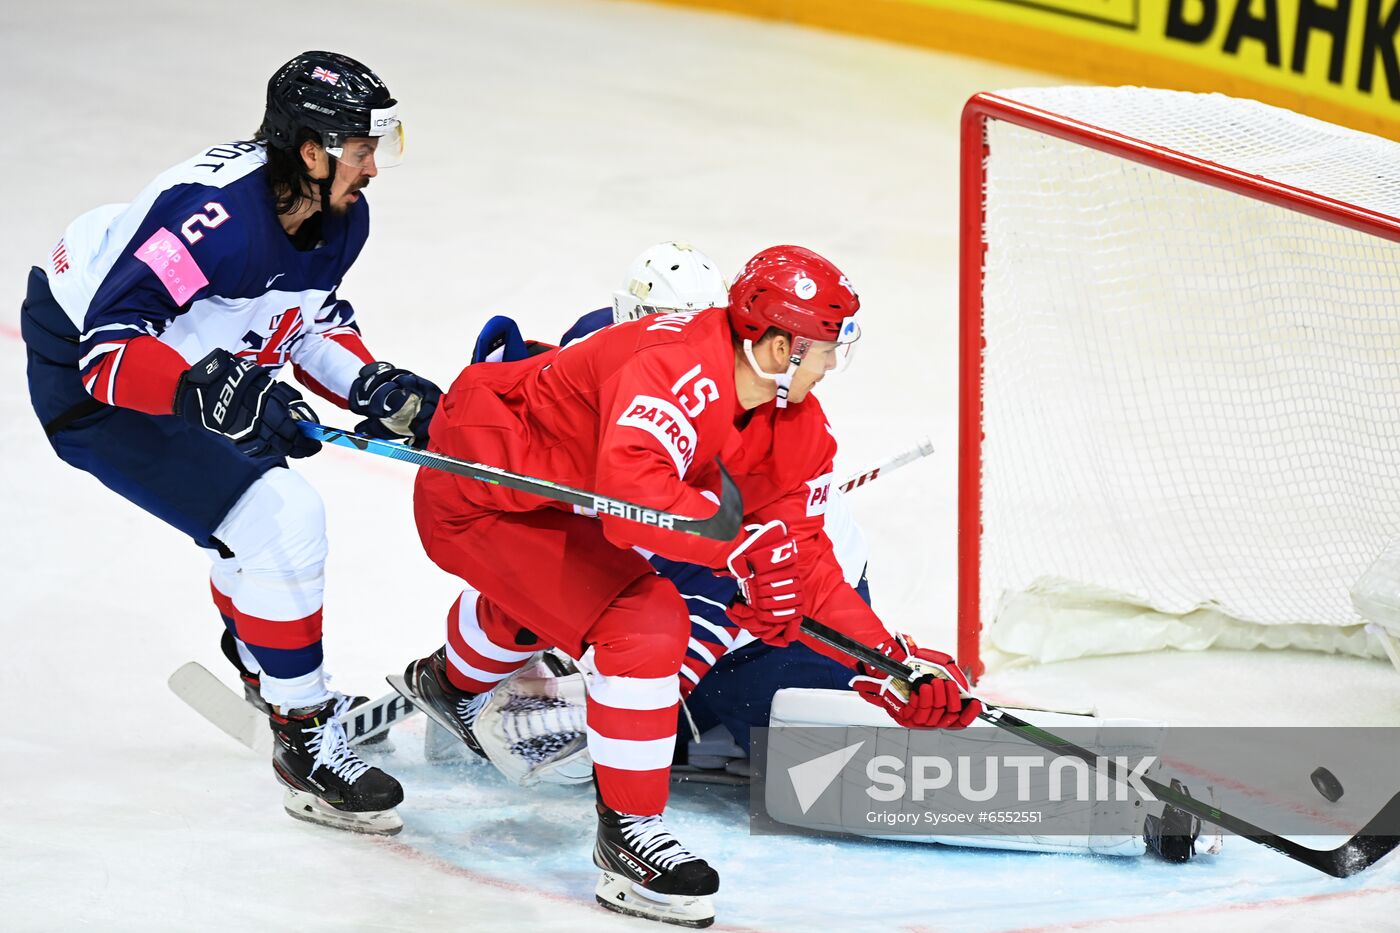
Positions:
{"x": 154, "y": 336}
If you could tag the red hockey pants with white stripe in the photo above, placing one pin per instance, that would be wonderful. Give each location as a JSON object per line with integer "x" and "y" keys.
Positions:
{"x": 550, "y": 578}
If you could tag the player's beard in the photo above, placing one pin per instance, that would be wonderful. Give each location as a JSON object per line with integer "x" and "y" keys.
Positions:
{"x": 342, "y": 206}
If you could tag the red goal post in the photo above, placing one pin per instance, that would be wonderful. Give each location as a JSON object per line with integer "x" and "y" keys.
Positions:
{"x": 1173, "y": 311}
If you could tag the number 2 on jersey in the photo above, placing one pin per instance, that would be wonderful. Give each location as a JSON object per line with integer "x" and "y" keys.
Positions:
{"x": 213, "y": 216}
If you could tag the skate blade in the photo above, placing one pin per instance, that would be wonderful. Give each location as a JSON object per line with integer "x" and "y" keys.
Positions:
{"x": 309, "y": 808}
{"x": 622, "y": 896}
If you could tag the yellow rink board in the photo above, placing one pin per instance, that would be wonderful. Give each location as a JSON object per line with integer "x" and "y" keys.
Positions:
{"x": 1333, "y": 59}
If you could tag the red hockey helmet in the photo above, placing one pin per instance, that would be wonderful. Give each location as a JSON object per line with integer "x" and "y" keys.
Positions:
{"x": 794, "y": 290}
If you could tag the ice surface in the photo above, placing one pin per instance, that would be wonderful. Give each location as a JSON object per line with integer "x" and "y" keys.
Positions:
{"x": 548, "y": 142}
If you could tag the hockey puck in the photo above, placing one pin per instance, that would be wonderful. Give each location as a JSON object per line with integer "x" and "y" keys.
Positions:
{"x": 1327, "y": 784}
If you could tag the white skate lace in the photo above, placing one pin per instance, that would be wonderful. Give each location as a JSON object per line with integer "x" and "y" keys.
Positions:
{"x": 468, "y": 708}
{"x": 342, "y": 702}
{"x": 333, "y": 749}
{"x": 655, "y": 842}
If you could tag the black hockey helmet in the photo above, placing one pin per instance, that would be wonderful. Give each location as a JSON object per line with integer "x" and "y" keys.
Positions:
{"x": 336, "y": 96}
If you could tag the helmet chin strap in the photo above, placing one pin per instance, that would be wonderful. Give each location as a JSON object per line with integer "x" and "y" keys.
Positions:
{"x": 324, "y": 184}
{"x": 800, "y": 346}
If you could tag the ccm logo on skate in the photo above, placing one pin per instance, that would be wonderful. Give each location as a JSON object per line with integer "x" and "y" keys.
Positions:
{"x": 818, "y": 492}
{"x": 643, "y": 871}
{"x": 667, "y": 424}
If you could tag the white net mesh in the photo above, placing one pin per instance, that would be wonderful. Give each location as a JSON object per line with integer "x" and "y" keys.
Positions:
{"x": 1191, "y": 398}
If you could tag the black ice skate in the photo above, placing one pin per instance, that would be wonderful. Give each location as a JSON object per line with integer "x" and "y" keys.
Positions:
{"x": 425, "y": 684}
{"x": 648, "y": 873}
{"x": 252, "y": 688}
{"x": 326, "y": 782}
{"x": 1172, "y": 836}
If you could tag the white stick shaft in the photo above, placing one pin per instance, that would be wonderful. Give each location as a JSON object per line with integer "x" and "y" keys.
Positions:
{"x": 917, "y": 452}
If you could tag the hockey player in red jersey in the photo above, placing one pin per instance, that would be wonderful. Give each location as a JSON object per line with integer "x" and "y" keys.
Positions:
{"x": 643, "y": 411}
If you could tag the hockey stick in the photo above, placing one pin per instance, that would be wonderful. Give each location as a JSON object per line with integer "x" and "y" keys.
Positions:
{"x": 856, "y": 480}
{"x": 1375, "y": 840}
{"x": 211, "y": 698}
{"x": 722, "y": 526}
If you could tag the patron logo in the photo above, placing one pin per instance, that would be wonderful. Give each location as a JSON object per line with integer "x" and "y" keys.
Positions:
{"x": 818, "y": 492}
{"x": 667, "y": 424}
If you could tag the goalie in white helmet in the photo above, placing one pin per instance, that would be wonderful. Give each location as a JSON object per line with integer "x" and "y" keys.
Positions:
{"x": 669, "y": 276}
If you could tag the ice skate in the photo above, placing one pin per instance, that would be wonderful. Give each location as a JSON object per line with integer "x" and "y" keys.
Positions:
{"x": 252, "y": 688}
{"x": 326, "y": 782}
{"x": 1177, "y": 836}
{"x": 425, "y": 683}
{"x": 647, "y": 872}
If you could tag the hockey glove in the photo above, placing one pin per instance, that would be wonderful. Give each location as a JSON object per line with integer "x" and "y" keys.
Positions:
{"x": 396, "y": 404}
{"x": 933, "y": 701}
{"x": 238, "y": 399}
{"x": 765, "y": 564}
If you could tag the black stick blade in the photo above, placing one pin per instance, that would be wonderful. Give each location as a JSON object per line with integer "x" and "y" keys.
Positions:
{"x": 1376, "y": 840}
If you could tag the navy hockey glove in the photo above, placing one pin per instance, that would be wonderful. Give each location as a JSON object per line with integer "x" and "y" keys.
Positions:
{"x": 396, "y": 403}
{"x": 238, "y": 399}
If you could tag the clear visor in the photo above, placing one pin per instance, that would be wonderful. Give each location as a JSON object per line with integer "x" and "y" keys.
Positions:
{"x": 821, "y": 357}
{"x": 364, "y": 152}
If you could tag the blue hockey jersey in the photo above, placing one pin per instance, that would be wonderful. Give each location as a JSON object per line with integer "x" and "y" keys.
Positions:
{"x": 198, "y": 261}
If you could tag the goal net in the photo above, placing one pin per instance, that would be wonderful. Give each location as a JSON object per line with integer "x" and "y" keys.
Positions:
{"x": 1180, "y": 374}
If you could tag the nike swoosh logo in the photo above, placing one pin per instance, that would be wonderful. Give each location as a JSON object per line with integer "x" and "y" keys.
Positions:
{"x": 274, "y": 279}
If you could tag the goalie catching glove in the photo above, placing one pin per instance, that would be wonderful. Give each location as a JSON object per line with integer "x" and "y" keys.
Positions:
{"x": 397, "y": 405}
{"x": 933, "y": 701}
{"x": 765, "y": 564}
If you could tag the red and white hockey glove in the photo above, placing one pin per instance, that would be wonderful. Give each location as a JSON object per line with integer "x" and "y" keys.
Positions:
{"x": 933, "y": 701}
{"x": 765, "y": 564}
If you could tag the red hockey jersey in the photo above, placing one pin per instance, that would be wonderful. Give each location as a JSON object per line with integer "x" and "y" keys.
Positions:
{"x": 640, "y": 411}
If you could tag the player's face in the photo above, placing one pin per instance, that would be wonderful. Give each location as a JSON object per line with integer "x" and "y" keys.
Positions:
{"x": 821, "y": 359}
{"x": 353, "y": 170}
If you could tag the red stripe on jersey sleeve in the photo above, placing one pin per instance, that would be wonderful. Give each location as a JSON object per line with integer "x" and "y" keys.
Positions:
{"x": 141, "y": 373}
{"x": 352, "y": 342}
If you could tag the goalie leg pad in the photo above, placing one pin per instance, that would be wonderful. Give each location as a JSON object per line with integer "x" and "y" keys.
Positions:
{"x": 1117, "y": 823}
{"x": 535, "y": 728}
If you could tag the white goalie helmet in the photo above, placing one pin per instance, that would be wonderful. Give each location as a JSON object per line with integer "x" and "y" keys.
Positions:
{"x": 670, "y": 277}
